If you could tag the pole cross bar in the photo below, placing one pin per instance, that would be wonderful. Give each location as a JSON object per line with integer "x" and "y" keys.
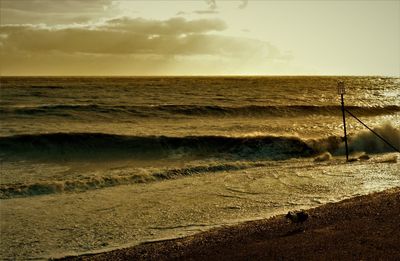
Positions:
{"x": 379, "y": 136}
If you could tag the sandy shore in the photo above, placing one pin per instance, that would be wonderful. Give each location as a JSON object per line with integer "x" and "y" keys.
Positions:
{"x": 360, "y": 228}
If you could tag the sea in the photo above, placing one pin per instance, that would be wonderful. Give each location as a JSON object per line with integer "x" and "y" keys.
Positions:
{"x": 91, "y": 164}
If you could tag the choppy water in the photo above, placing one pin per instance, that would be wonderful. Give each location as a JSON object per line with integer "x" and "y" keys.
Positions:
{"x": 89, "y": 164}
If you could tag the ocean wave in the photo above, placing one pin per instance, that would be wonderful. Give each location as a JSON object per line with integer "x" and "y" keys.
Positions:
{"x": 363, "y": 141}
{"x": 97, "y": 182}
{"x": 84, "y": 146}
{"x": 229, "y": 153}
{"x": 102, "y": 146}
{"x": 367, "y": 141}
{"x": 196, "y": 110}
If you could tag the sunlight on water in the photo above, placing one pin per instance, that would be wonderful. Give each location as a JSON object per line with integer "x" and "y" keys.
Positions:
{"x": 90, "y": 164}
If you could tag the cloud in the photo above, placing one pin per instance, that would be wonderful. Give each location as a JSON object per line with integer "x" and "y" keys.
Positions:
{"x": 180, "y": 13}
{"x": 200, "y": 12}
{"x": 55, "y": 7}
{"x": 50, "y": 11}
{"x": 212, "y": 4}
{"x": 162, "y": 44}
{"x": 173, "y": 26}
{"x": 243, "y": 4}
{"x": 176, "y": 36}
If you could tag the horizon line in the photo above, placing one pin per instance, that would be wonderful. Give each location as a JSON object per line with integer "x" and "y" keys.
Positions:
{"x": 210, "y": 75}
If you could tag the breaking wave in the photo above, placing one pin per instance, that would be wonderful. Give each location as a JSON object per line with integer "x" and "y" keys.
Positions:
{"x": 76, "y": 146}
{"x": 196, "y": 110}
{"x": 98, "y": 146}
{"x": 366, "y": 141}
{"x": 101, "y": 146}
{"x": 98, "y": 182}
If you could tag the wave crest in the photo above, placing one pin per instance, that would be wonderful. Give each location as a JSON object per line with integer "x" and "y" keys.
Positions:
{"x": 366, "y": 141}
{"x": 98, "y": 182}
{"x": 100, "y": 146}
{"x": 109, "y": 146}
{"x": 196, "y": 110}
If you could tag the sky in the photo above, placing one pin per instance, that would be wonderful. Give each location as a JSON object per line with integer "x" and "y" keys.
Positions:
{"x": 201, "y": 37}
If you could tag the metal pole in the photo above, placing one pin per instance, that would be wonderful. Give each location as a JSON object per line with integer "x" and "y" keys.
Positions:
{"x": 344, "y": 127}
{"x": 379, "y": 136}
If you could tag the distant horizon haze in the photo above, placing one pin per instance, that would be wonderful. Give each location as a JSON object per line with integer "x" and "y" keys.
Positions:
{"x": 205, "y": 75}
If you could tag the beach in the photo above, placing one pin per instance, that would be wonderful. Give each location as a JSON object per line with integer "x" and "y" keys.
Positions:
{"x": 95, "y": 164}
{"x": 199, "y": 130}
{"x": 359, "y": 228}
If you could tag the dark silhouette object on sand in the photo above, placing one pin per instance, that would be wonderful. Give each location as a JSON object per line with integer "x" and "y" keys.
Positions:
{"x": 297, "y": 217}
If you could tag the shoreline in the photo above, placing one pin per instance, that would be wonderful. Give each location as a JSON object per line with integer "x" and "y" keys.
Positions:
{"x": 363, "y": 227}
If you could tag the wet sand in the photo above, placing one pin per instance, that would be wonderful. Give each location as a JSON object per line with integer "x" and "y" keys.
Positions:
{"x": 360, "y": 228}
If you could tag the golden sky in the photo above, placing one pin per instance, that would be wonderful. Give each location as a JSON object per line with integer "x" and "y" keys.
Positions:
{"x": 201, "y": 37}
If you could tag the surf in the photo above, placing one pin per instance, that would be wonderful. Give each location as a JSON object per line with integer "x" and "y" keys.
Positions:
{"x": 103, "y": 146}
{"x": 117, "y": 178}
{"x": 83, "y": 146}
{"x": 188, "y": 110}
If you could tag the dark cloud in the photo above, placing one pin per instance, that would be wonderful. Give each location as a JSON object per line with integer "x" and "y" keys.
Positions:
{"x": 50, "y": 11}
{"x": 55, "y": 6}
